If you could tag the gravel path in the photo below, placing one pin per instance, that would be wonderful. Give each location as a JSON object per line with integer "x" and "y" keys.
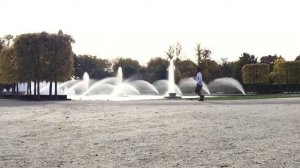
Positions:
{"x": 155, "y": 133}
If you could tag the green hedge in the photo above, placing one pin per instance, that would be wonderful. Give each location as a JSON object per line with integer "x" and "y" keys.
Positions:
{"x": 256, "y": 73}
{"x": 292, "y": 71}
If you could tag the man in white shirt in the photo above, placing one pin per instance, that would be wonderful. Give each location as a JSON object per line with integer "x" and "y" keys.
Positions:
{"x": 199, "y": 86}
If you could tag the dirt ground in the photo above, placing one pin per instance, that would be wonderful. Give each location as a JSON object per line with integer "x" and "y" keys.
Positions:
{"x": 150, "y": 133}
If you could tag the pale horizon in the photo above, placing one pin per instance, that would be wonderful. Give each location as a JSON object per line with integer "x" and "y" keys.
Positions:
{"x": 144, "y": 29}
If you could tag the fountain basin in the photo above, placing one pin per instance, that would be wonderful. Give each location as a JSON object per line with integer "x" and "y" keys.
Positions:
{"x": 173, "y": 96}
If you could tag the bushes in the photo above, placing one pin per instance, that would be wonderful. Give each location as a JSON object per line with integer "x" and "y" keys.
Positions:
{"x": 285, "y": 72}
{"x": 284, "y": 78}
{"x": 256, "y": 73}
{"x": 292, "y": 71}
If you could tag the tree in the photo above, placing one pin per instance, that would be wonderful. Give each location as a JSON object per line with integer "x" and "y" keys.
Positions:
{"x": 157, "y": 69}
{"x": 210, "y": 70}
{"x": 44, "y": 57}
{"x": 97, "y": 68}
{"x": 8, "y": 39}
{"x": 2, "y": 44}
{"x": 178, "y": 49}
{"x": 187, "y": 68}
{"x": 59, "y": 59}
{"x": 129, "y": 66}
{"x": 292, "y": 71}
{"x": 28, "y": 60}
{"x": 173, "y": 54}
{"x": 243, "y": 60}
{"x": 199, "y": 53}
{"x": 278, "y": 75}
{"x": 227, "y": 69}
{"x": 209, "y": 67}
{"x": 269, "y": 60}
{"x": 7, "y": 67}
{"x": 256, "y": 73}
{"x": 206, "y": 54}
{"x": 297, "y": 58}
{"x": 202, "y": 54}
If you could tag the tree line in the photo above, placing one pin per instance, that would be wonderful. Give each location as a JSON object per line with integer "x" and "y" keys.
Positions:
{"x": 36, "y": 57}
{"x": 277, "y": 71}
{"x": 157, "y": 67}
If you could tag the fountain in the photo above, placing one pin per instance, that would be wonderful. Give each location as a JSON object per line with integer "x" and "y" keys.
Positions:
{"x": 187, "y": 86}
{"x": 171, "y": 81}
{"x": 112, "y": 88}
{"x": 118, "y": 89}
{"x": 86, "y": 81}
{"x": 226, "y": 85}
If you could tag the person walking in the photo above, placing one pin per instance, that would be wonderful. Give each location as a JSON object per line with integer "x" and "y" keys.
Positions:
{"x": 199, "y": 85}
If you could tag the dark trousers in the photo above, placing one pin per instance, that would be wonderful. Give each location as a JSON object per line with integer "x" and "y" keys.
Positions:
{"x": 198, "y": 91}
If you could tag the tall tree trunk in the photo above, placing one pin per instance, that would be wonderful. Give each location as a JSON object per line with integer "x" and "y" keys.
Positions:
{"x": 28, "y": 88}
{"x": 55, "y": 84}
{"x": 38, "y": 89}
{"x": 14, "y": 89}
{"x": 34, "y": 88}
{"x": 50, "y": 90}
{"x": 17, "y": 90}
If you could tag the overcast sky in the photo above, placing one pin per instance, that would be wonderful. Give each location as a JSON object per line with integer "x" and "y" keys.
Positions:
{"x": 143, "y": 29}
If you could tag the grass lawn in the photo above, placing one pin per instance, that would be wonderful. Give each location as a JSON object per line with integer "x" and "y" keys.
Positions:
{"x": 252, "y": 96}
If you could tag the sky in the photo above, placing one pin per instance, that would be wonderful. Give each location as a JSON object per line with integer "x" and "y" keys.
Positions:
{"x": 144, "y": 29}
